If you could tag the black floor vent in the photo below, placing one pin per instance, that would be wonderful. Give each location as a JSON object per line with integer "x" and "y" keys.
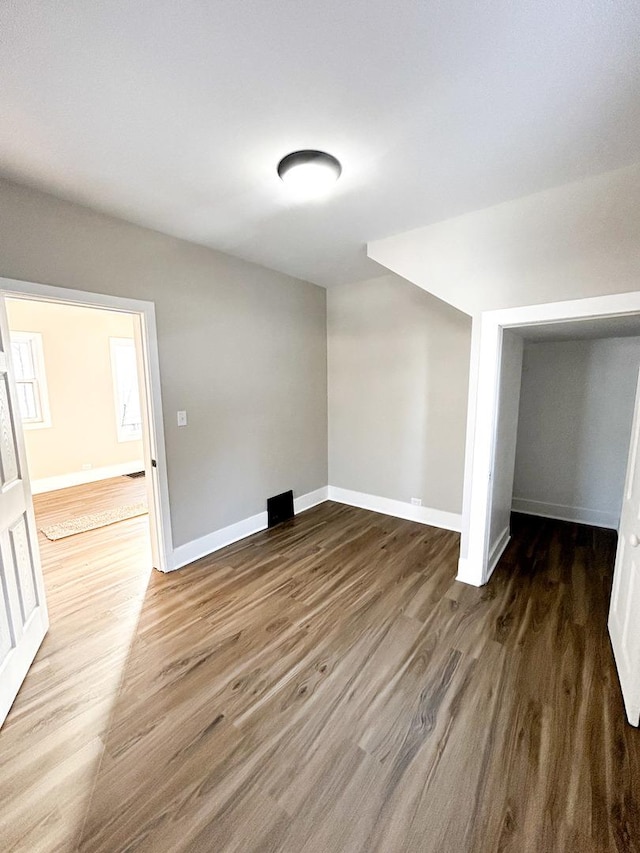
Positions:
{"x": 280, "y": 508}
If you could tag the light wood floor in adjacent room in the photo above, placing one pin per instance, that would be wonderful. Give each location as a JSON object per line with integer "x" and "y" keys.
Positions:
{"x": 326, "y": 687}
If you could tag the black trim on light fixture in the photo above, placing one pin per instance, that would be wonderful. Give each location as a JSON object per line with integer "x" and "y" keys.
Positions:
{"x": 301, "y": 158}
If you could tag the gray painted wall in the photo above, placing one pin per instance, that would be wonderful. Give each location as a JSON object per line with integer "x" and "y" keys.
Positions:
{"x": 242, "y": 349}
{"x": 576, "y": 408}
{"x": 398, "y": 379}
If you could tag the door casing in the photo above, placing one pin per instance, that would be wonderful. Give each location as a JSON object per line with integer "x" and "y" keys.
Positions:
{"x": 153, "y": 429}
{"x": 479, "y": 556}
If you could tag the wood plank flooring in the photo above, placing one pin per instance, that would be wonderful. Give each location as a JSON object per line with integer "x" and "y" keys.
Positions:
{"x": 52, "y": 741}
{"x": 327, "y": 687}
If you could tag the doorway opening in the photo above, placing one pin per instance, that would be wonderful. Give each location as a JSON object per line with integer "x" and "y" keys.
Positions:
{"x": 76, "y": 375}
{"x": 496, "y": 369}
{"x": 92, "y": 448}
{"x": 132, "y": 436}
{"x": 497, "y": 358}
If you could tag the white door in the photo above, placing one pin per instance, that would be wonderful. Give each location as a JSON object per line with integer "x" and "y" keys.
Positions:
{"x": 148, "y": 445}
{"x": 624, "y": 612}
{"x": 23, "y": 610}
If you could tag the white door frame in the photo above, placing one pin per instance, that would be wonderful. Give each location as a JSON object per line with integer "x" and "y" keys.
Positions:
{"x": 159, "y": 512}
{"x": 474, "y": 566}
{"x": 625, "y": 595}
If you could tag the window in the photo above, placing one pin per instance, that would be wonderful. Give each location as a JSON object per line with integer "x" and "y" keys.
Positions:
{"x": 30, "y": 379}
{"x": 125, "y": 388}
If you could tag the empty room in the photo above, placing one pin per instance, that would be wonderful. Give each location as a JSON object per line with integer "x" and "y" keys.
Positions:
{"x": 319, "y": 427}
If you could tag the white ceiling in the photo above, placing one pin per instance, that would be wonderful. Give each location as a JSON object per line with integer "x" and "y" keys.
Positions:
{"x": 175, "y": 114}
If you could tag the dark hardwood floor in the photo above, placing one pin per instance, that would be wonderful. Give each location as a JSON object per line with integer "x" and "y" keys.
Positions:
{"x": 328, "y": 687}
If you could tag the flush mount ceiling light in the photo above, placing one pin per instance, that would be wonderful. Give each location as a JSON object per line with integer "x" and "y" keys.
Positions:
{"x": 309, "y": 173}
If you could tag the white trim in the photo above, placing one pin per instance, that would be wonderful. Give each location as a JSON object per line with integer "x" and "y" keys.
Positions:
{"x": 159, "y": 509}
{"x": 613, "y": 305}
{"x": 399, "y": 509}
{"x": 479, "y": 473}
{"x": 153, "y": 445}
{"x": 577, "y": 514}
{"x": 205, "y": 545}
{"x": 188, "y": 553}
{"x": 52, "y": 293}
{"x": 311, "y": 499}
{"x": 79, "y": 478}
{"x": 40, "y": 378}
{"x": 481, "y": 436}
{"x": 498, "y": 549}
{"x": 467, "y": 573}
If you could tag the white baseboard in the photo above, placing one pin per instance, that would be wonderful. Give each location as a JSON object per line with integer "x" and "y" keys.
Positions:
{"x": 205, "y": 545}
{"x": 577, "y": 514}
{"x": 399, "y": 509}
{"x": 469, "y": 574}
{"x": 79, "y": 478}
{"x": 311, "y": 499}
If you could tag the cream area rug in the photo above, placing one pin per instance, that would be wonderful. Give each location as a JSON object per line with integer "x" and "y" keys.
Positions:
{"x": 91, "y": 522}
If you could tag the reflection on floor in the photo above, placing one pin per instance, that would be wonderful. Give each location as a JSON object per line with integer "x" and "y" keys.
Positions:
{"x": 327, "y": 687}
{"x": 54, "y": 507}
{"x": 52, "y": 740}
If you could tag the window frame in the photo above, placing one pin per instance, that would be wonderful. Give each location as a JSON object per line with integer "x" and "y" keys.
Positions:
{"x": 34, "y": 339}
{"x": 116, "y": 342}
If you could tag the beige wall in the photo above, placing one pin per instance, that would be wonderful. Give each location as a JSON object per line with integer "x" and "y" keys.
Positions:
{"x": 242, "y": 349}
{"x": 77, "y": 361}
{"x": 398, "y": 376}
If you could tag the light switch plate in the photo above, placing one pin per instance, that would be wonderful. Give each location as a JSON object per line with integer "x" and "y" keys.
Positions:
{"x": 182, "y": 418}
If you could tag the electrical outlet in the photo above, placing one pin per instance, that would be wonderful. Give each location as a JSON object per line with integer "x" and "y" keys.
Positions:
{"x": 87, "y": 466}
{"x": 416, "y": 501}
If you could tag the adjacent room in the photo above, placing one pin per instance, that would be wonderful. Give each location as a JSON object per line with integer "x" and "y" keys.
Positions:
{"x": 319, "y": 491}
{"x": 574, "y": 426}
{"x": 77, "y": 383}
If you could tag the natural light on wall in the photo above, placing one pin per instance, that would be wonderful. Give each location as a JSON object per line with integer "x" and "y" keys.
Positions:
{"x": 125, "y": 386}
{"x": 30, "y": 378}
